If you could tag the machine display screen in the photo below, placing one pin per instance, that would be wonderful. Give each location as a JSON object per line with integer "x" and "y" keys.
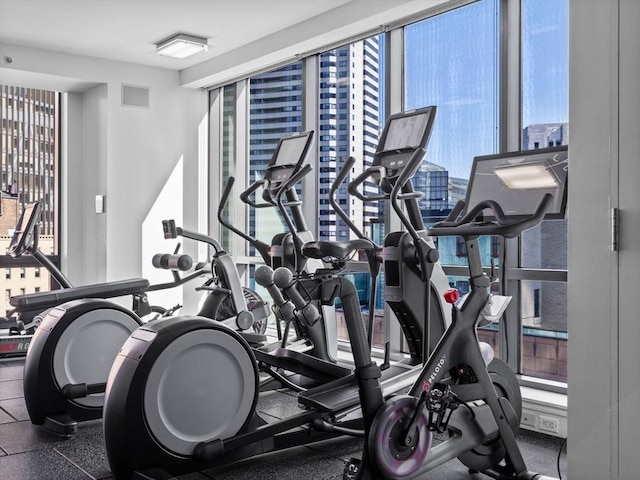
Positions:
{"x": 406, "y": 132}
{"x": 520, "y": 179}
{"x": 290, "y": 151}
{"x": 403, "y": 135}
{"x": 22, "y": 235}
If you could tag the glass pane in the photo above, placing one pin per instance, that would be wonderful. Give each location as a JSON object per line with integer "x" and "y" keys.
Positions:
{"x": 451, "y": 62}
{"x": 545, "y": 113}
{"x": 228, "y": 155}
{"x": 29, "y": 159}
{"x": 544, "y": 329}
{"x": 275, "y": 112}
{"x": 545, "y": 246}
{"x": 20, "y": 281}
{"x": 545, "y": 73}
{"x": 351, "y": 108}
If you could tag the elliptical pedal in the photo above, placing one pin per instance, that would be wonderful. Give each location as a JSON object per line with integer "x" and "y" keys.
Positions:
{"x": 333, "y": 396}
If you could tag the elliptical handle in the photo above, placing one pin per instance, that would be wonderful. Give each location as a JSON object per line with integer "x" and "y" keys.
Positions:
{"x": 342, "y": 175}
{"x": 224, "y": 198}
{"x": 246, "y": 195}
{"x": 408, "y": 171}
{"x": 303, "y": 172}
{"x": 352, "y": 188}
{"x": 223, "y": 203}
{"x": 295, "y": 178}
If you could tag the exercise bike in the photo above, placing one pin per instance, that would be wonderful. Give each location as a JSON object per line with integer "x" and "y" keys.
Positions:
{"x": 461, "y": 390}
{"x": 167, "y": 368}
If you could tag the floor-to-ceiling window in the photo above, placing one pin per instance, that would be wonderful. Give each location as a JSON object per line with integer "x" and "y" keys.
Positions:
{"x": 545, "y": 116}
{"x": 451, "y": 62}
{"x": 275, "y": 111}
{"x": 29, "y": 172}
{"x": 456, "y": 61}
{"x": 351, "y": 117}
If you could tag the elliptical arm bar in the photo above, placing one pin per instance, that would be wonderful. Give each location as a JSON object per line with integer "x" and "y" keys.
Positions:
{"x": 455, "y": 211}
{"x": 294, "y": 203}
{"x": 342, "y": 175}
{"x": 180, "y": 281}
{"x": 53, "y": 270}
{"x": 360, "y": 179}
{"x": 198, "y": 237}
{"x": 408, "y": 171}
{"x": 260, "y": 246}
{"x": 304, "y": 171}
{"x": 292, "y": 228}
{"x": 223, "y": 203}
{"x": 246, "y": 195}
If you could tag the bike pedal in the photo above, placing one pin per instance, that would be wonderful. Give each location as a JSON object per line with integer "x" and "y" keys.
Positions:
{"x": 441, "y": 402}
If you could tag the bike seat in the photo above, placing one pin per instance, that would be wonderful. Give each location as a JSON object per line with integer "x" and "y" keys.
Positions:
{"x": 44, "y": 300}
{"x": 337, "y": 250}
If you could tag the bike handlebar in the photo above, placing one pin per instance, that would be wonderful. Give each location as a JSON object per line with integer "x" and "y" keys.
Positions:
{"x": 502, "y": 225}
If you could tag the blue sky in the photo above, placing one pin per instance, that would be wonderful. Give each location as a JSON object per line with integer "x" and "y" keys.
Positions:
{"x": 451, "y": 62}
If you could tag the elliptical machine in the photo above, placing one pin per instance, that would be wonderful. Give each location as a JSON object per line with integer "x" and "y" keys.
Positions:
{"x": 27, "y": 313}
{"x": 147, "y": 429}
{"x": 461, "y": 389}
{"x": 285, "y": 170}
{"x": 79, "y": 333}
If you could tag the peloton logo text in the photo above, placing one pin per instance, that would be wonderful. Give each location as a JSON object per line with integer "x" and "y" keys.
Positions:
{"x": 437, "y": 369}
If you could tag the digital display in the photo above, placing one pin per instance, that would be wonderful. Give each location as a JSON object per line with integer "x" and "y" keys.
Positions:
{"x": 406, "y": 132}
{"x": 23, "y": 233}
{"x": 26, "y": 218}
{"x": 517, "y": 181}
{"x": 290, "y": 151}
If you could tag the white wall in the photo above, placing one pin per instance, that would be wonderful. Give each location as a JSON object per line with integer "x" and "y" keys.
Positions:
{"x": 604, "y": 324}
{"x": 128, "y": 154}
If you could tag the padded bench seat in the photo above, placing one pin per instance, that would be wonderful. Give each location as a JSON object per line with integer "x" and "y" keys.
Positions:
{"x": 44, "y": 300}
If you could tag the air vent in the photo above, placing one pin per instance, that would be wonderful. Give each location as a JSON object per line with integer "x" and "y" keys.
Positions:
{"x": 133, "y": 96}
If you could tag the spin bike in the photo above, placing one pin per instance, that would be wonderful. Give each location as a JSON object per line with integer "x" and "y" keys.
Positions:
{"x": 461, "y": 390}
{"x": 169, "y": 368}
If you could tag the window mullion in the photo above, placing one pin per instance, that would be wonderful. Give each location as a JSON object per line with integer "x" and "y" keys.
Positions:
{"x": 310, "y": 109}
{"x": 509, "y": 140}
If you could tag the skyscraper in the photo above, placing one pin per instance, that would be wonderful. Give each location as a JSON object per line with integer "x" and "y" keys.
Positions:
{"x": 29, "y": 148}
{"x": 349, "y": 125}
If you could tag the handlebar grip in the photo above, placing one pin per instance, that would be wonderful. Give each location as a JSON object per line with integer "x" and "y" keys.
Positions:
{"x": 283, "y": 279}
{"x": 343, "y": 173}
{"x": 264, "y": 277}
{"x": 225, "y": 194}
{"x": 409, "y": 170}
{"x": 246, "y": 195}
{"x": 168, "y": 261}
{"x": 353, "y": 185}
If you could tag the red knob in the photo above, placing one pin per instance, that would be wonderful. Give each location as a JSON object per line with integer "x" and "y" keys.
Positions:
{"x": 451, "y": 296}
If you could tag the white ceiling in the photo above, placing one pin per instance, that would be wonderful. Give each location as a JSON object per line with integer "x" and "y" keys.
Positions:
{"x": 127, "y": 30}
{"x": 239, "y": 31}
